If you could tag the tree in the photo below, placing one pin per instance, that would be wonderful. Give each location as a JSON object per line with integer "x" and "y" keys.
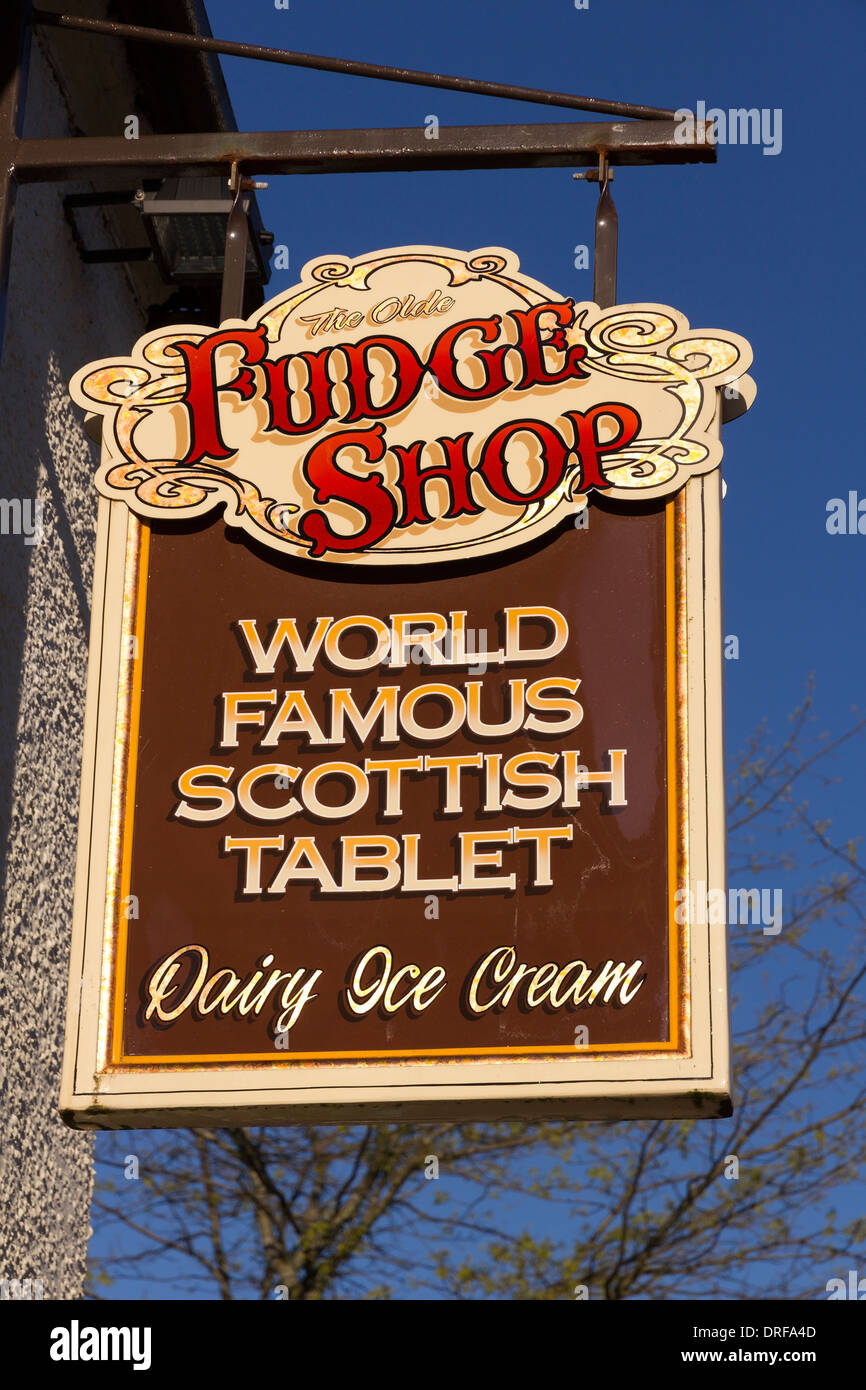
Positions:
{"x": 756, "y": 1206}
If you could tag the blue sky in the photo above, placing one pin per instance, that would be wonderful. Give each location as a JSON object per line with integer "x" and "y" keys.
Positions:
{"x": 766, "y": 246}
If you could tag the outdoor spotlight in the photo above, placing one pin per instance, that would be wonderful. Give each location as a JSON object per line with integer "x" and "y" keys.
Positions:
{"x": 185, "y": 221}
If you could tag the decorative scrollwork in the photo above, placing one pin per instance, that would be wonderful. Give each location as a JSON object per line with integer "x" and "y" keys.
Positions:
{"x": 672, "y": 374}
{"x": 625, "y": 343}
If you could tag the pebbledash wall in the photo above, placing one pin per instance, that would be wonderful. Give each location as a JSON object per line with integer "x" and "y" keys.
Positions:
{"x": 61, "y": 314}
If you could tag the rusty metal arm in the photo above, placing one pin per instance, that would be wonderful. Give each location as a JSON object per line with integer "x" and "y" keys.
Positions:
{"x": 574, "y": 144}
{"x": 348, "y": 66}
{"x": 14, "y": 63}
{"x": 653, "y": 138}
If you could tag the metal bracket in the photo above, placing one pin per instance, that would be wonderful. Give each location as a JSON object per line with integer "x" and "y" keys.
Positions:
{"x": 235, "y": 263}
{"x": 247, "y": 185}
{"x": 606, "y": 234}
{"x": 101, "y": 255}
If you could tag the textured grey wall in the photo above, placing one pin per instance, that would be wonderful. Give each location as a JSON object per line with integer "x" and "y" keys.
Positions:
{"x": 61, "y": 315}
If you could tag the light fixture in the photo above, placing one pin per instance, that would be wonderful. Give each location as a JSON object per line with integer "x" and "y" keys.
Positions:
{"x": 185, "y": 221}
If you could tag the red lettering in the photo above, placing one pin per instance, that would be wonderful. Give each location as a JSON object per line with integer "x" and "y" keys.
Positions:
{"x": 317, "y": 391}
{"x": 201, "y": 396}
{"x": 493, "y": 462}
{"x": 412, "y": 481}
{"x": 531, "y": 345}
{"x": 368, "y": 495}
{"x": 588, "y": 445}
{"x": 443, "y": 363}
{"x": 407, "y": 373}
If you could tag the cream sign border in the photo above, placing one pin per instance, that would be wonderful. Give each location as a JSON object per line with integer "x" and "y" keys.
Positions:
{"x": 690, "y": 1080}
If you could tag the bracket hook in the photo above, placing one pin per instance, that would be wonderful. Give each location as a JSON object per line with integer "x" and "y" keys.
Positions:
{"x": 606, "y": 233}
{"x": 235, "y": 259}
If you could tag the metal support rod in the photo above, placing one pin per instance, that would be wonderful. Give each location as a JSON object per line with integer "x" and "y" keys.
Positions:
{"x": 606, "y": 240}
{"x": 235, "y": 261}
{"x": 13, "y": 85}
{"x": 575, "y": 144}
{"x": 350, "y": 67}
{"x": 654, "y": 140}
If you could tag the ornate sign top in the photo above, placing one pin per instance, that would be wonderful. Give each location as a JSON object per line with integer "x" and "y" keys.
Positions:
{"x": 413, "y": 405}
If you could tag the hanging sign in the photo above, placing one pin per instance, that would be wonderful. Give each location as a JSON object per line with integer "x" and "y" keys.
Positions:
{"x": 402, "y": 781}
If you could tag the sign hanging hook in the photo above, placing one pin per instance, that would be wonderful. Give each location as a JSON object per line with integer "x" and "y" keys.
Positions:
{"x": 235, "y": 259}
{"x": 237, "y": 237}
{"x": 606, "y": 234}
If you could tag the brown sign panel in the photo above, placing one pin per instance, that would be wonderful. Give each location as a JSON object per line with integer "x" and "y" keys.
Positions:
{"x": 419, "y": 827}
